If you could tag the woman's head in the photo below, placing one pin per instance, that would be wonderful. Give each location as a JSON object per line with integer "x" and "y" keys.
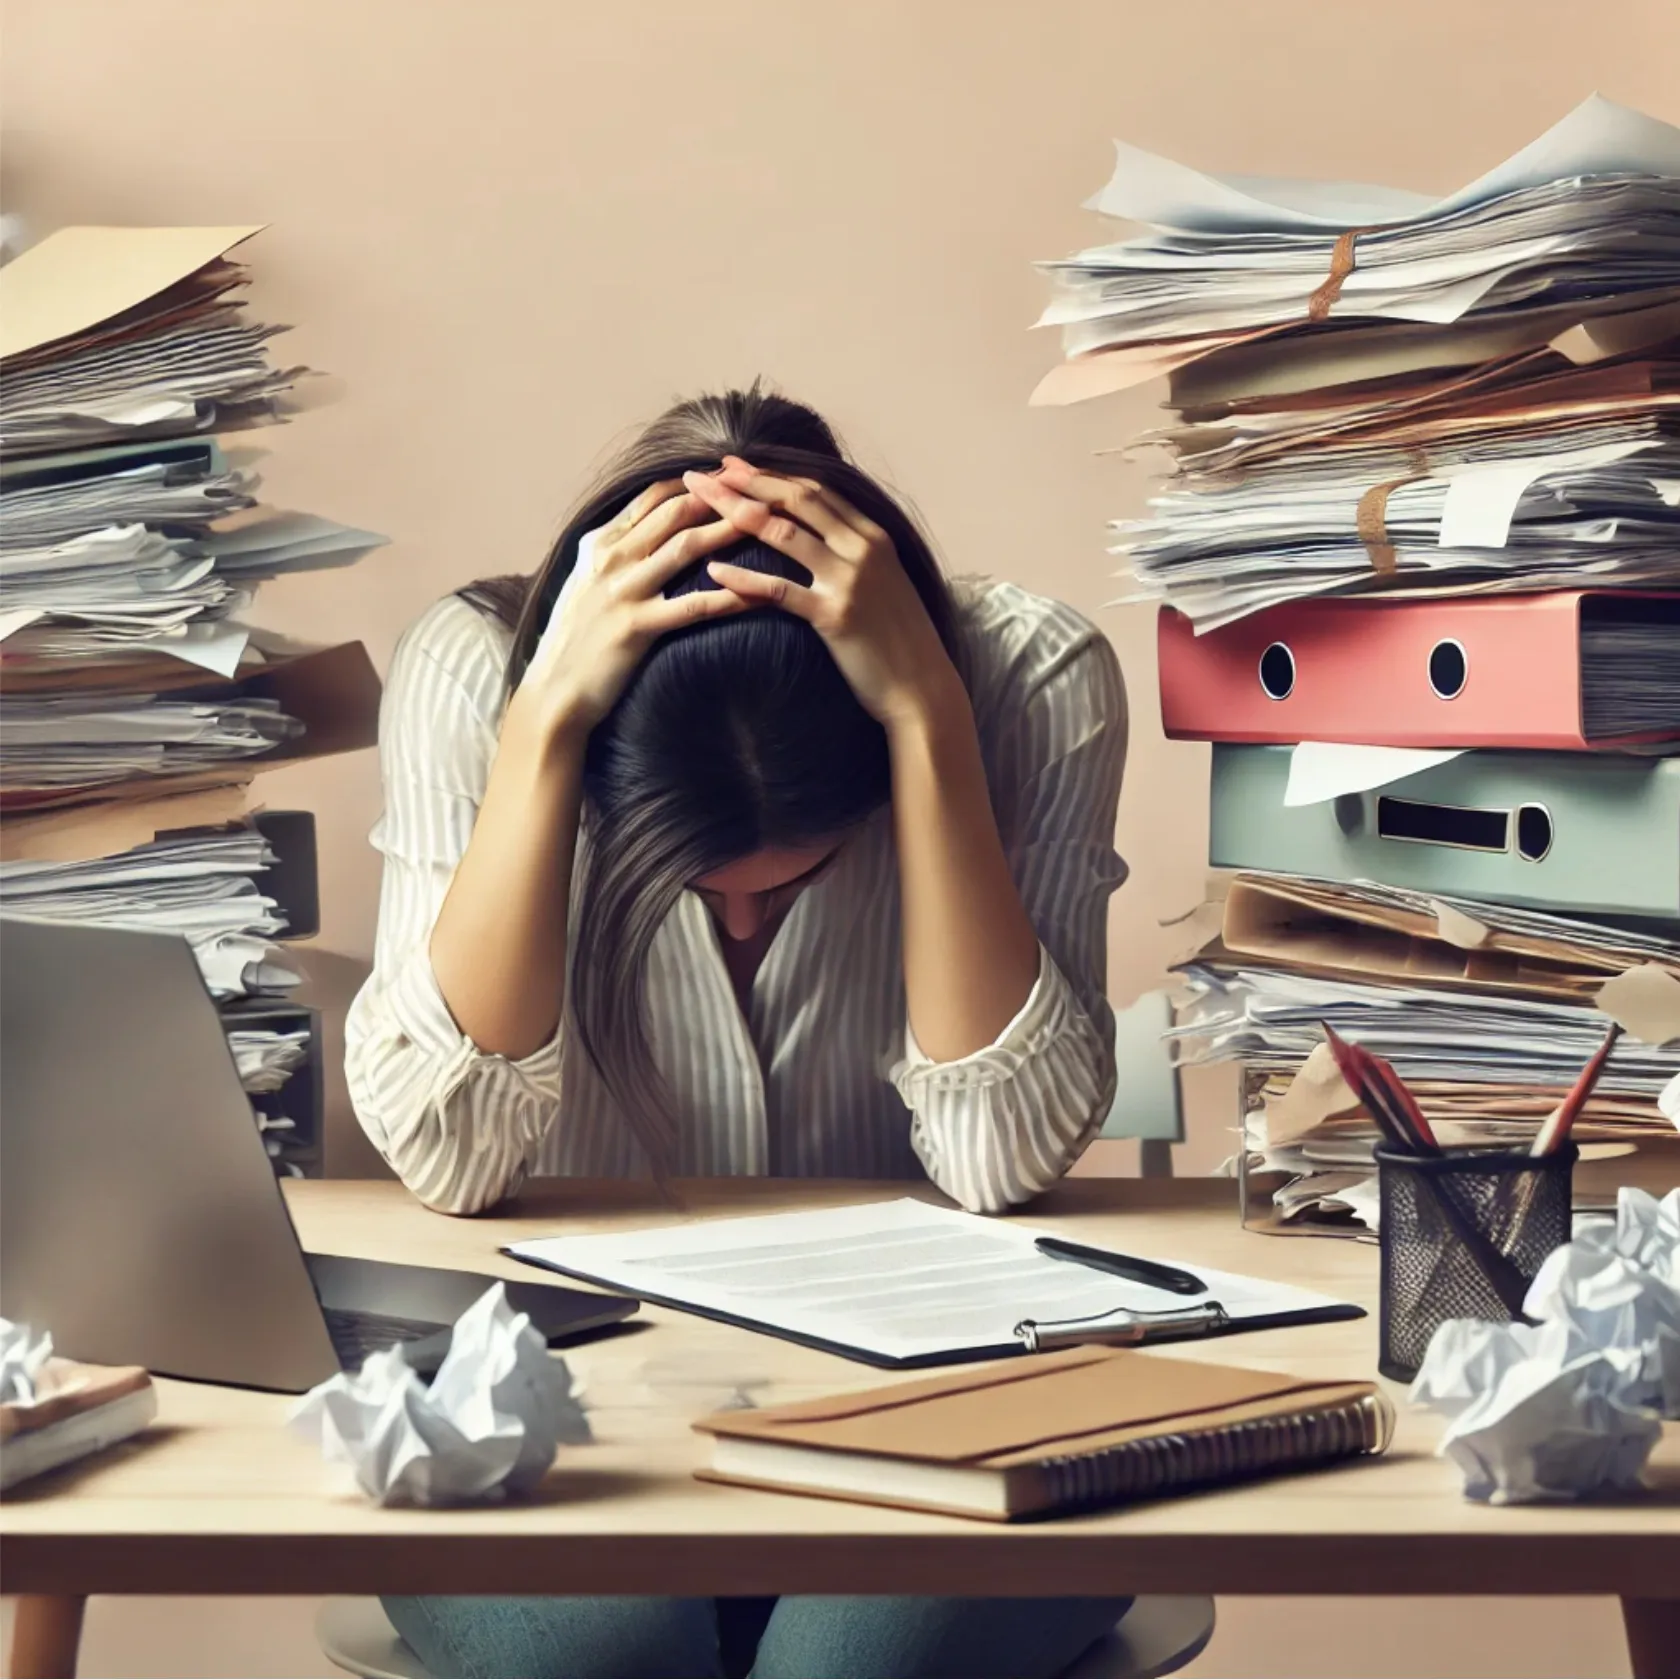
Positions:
{"x": 737, "y": 759}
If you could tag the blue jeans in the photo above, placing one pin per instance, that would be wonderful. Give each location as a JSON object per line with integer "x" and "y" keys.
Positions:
{"x": 803, "y": 1637}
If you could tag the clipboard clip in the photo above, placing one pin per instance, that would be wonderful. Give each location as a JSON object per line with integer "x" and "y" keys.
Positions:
{"x": 1122, "y": 1327}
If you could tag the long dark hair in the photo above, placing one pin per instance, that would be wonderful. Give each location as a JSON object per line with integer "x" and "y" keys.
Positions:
{"x": 733, "y": 735}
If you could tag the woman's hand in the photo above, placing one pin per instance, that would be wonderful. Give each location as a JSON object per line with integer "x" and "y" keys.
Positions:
{"x": 618, "y": 610}
{"x": 860, "y": 600}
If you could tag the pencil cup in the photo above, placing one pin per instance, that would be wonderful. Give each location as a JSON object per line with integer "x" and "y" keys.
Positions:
{"x": 1462, "y": 1235}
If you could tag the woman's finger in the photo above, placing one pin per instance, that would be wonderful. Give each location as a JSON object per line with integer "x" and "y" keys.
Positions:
{"x": 774, "y": 530}
{"x": 680, "y": 551}
{"x": 831, "y": 498}
{"x": 657, "y": 526}
{"x": 740, "y": 464}
{"x": 639, "y": 507}
{"x": 666, "y": 613}
{"x": 734, "y": 465}
{"x": 761, "y": 588}
{"x": 798, "y": 501}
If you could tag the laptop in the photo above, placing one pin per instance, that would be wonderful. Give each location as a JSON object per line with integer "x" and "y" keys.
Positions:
{"x": 140, "y": 1219}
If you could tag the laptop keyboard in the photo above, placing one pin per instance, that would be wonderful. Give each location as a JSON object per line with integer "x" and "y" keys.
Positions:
{"x": 356, "y": 1334}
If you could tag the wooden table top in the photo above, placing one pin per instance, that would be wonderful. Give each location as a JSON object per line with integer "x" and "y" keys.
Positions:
{"x": 219, "y": 1497}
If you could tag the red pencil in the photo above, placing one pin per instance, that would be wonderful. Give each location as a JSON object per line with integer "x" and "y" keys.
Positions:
{"x": 1384, "y": 1095}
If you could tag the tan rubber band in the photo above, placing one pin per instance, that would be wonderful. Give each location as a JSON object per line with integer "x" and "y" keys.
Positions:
{"x": 1341, "y": 266}
{"x": 1370, "y": 521}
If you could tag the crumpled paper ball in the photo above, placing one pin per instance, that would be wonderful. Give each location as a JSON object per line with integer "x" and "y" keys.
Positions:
{"x": 1569, "y": 1407}
{"x": 1610, "y": 1301}
{"x": 23, "y": 1357}
{"x": 1647, "y": 1232}
{"x": 486, "y": 1429}
{"x": 1533, "y": 1412}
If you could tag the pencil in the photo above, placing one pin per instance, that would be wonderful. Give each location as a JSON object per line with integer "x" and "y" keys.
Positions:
{"x": 1555, "y": 1132}
{"x": 1383, "y": 1094}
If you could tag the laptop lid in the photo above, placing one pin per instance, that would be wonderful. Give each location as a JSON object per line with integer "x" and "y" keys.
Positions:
{"x": 140, "y": 1221}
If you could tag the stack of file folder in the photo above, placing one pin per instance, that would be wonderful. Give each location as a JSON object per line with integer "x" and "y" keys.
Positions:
{"x": 1417, "y": 561}
{"x": 135, "y": 708}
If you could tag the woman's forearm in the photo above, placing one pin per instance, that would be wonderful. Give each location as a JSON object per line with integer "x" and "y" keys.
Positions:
{"x": 498, "y": 949}
{"x": 971, "y": 955}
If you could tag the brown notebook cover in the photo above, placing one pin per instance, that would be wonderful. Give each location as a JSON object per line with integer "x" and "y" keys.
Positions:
{"x": 1062, "y": 1431}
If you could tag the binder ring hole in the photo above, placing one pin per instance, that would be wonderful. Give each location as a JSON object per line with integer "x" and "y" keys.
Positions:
{"x": 1277, "y": 671}
{"x": 1534, "y": 832}
{"x": 1449, "y": 669}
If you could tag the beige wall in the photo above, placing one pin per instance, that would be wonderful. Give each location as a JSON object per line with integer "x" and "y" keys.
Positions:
{"x": 513, "y": 229}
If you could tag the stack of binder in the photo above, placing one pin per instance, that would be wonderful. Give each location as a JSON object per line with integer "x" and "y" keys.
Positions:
{"x": 136, "y": 709}
{"x": 1418, "y": 566}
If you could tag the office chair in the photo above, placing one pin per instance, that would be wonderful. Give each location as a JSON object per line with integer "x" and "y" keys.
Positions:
{"x": 1158, "y": 1635}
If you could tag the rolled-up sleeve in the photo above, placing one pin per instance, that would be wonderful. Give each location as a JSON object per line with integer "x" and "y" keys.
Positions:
{"x": 460, "y": 1127}
{"x": 1004, "y": 1123}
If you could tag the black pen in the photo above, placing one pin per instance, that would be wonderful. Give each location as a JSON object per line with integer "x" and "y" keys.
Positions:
{"x": 1150, "y": 1272}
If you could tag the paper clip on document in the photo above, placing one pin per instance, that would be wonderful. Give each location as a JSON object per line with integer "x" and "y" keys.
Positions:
{"x": 1122, "y": 1327}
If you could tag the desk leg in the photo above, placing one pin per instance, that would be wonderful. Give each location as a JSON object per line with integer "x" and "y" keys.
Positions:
{"x": 46, "y": 1635}
{"x": 1653, "y": 1636}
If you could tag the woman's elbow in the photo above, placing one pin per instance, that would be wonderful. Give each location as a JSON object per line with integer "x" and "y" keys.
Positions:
{"x": 990, "y": 1199}
{"x": 990, "y": 1192}
{"x": 458, "y": 1195}
{"x": 437, "y": 1179}
{"x": 456, "y": 1203}
{"x": 1041, "y": 1163}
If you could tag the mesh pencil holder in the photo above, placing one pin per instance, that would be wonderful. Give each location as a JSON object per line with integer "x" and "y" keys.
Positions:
{"x": 1462, "y": 1235}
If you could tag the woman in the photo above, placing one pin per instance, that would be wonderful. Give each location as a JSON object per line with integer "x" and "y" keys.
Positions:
{"x": 739, "y": 842}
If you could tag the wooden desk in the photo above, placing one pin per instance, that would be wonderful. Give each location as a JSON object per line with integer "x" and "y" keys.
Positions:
{"x": 221, "y": 1499}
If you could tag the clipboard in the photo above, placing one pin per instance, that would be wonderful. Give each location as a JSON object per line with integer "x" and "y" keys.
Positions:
{"x": 1119, "y": 1328}
{"x": 653, "y": 1264}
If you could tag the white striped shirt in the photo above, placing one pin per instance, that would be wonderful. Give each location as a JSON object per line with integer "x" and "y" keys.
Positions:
{"x": 821, "y": 1075}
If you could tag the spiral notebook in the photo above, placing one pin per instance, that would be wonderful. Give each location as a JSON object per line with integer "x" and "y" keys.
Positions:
{"x": 1053, "y": 1433}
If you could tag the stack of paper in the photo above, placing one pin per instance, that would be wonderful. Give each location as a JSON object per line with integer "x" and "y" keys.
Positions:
{"x": 200, "y": 885}
{"x": 134, "y": 707}
{"x": 86, "y": 740}
{"x": 1487, "y": 1011}
{"x": 124, "y": 524}
{"x": 1588, "y": 202}
{"x": 1597, "y": 508}
{"x": 1377, "y": 391}
{"x": 1381, "y": 394}
{"x": 266, "y": 1058}
{"x": 153, "y": 546}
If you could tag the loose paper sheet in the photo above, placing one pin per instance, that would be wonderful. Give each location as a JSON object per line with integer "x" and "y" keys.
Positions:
{"x": 1482, "y": 501}
{"x": 1458, "y": 928}
{"x": 1314, "y": 1094}
{"x": 1598, "y": 137}
{"x": 1645, "y": 1002}
{"x": 1320, "y": 771}
{"x": 215, "y": 646}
